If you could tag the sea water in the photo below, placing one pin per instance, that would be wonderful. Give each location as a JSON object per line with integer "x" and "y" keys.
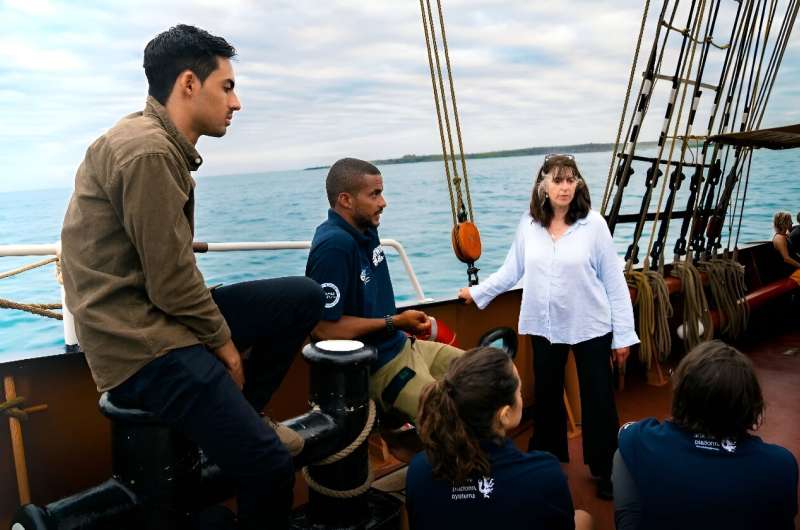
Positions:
{"x": 288, "y": 205}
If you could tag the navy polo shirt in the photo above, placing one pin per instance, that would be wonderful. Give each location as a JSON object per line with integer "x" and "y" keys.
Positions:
{"x": 351, "y": 268}
{"x": 524, "y": 491}
{"x": 685, "y": 480}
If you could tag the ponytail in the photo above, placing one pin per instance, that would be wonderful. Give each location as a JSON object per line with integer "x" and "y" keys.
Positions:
{"x": 458, "y": 412}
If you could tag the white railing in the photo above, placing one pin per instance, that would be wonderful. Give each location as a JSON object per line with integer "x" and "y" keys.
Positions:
{"x": 54, "y": 249}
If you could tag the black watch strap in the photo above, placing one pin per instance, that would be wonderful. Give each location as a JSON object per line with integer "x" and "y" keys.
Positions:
{"x": 389, "y": 324}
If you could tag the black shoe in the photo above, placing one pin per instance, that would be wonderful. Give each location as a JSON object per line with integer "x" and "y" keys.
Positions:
{"x": 605, "y": 489}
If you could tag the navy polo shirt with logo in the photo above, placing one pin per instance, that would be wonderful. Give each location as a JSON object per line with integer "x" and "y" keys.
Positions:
{"x": 351, "y": 268}
{"x": 524, "y": 491}
{"x": 686, "y": 480}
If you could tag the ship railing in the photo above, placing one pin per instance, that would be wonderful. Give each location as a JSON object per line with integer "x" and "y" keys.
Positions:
{"x": 54, "y": 249}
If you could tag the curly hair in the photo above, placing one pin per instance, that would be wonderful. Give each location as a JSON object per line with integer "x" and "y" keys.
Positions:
{"x": 458, "y": 412}
{"x": 782, "y": 222}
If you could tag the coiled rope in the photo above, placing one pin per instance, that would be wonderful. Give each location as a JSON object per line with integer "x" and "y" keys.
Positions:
{"x": 340, "y": 455}
{"x": 695, "y": 305}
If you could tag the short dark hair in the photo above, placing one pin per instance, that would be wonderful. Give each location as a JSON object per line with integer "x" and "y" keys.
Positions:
{"x": 458, "y": 412}
{"x": 345, "y": 176}
{"x": 541, "y": 209}
{"x": 181, "y": 48}
{"x": 716, "y": 392}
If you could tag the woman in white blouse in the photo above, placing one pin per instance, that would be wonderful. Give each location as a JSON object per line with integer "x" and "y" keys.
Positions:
{"x": 574, "y": 296}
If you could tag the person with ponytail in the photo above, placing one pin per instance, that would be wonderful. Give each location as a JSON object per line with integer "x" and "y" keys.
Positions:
{"x": 470, "y": 474}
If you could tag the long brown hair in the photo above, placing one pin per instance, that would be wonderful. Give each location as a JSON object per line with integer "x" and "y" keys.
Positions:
{"x": 458, "y": 412}
{"x": 716, "y": 392}
{"x": 541, "y": 209}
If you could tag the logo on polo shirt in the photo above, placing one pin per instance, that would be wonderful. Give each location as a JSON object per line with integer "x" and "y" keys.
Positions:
{"x": 365, "y": 277}
{"x": 377, "y": 255}
{"x": 486, "y": 486}
{"x": 712, "y": 444}
{"x": 332, "y": 295}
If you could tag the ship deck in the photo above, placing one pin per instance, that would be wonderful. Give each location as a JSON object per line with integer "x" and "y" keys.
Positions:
{"x": 776, "y": 357}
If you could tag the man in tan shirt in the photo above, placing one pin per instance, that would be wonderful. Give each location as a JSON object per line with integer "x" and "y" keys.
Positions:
{"x": 154, "y": 336}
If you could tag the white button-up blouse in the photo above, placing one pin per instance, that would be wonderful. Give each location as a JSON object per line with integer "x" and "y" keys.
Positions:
{"x": 573, "y": 289}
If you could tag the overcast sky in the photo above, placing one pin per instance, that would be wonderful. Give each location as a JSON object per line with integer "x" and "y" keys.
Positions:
{"x": 320, "y": 80}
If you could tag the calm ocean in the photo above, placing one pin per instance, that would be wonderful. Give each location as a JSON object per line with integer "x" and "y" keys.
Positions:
{"x": 288, "y": 205}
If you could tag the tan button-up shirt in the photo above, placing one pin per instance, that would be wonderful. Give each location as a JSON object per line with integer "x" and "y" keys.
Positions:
{"x": 129, "y": 272}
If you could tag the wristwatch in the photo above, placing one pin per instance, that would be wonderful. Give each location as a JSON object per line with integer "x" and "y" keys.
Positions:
{"x": 389, "y": 324}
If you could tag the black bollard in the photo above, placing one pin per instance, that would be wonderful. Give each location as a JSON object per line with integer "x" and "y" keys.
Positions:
{"x": 159, "y": 477}
{"x": 339, "y": 372}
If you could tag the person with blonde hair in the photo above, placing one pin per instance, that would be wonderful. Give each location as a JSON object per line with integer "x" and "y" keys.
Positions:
{"x": 471, "y": 475}
{"x": 781, "y": 224}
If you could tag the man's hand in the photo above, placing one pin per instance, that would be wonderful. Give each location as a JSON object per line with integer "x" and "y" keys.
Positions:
{"x": 414, "y": 322}
{"x": 465, "y": 295}
{"x": 620, "y": 355}
{"x": 231, "y": 358}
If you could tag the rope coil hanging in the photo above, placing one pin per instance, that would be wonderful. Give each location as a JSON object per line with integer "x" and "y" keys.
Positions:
{"x": 465, "y": 236}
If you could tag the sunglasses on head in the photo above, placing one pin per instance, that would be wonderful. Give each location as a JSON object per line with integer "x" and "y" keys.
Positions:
{"x": 554, "y": 155}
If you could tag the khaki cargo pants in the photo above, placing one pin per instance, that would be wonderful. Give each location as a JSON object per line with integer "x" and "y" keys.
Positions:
{"x": 399, "y": 383}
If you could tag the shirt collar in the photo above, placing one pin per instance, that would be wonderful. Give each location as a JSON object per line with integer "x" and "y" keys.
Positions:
{"x": 157, "y": 110}
{"x": 358, "y": 235}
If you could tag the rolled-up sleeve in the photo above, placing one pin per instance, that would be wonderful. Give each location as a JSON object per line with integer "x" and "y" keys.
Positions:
{"x": 155, "y": 195}
{"x": 612, "y": 277}
{"x": 507, "y": 275}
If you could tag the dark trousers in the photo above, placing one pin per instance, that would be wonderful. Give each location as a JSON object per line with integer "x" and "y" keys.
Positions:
{"x": 191, "y": 390}
{"x": 599, "y": 420}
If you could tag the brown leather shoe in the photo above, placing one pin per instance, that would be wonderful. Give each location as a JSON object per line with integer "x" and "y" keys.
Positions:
{"x": 291, "y": 440}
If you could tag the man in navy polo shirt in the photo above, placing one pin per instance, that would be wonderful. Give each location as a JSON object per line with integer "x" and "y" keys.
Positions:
{"x": 347, "y": 260}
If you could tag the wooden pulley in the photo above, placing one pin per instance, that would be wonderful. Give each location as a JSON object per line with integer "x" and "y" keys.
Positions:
{"x": 466, "y": 242}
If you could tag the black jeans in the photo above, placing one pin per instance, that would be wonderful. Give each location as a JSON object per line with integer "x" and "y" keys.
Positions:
{"x": 599, "y": 420}
{"x": 191, "y": 390}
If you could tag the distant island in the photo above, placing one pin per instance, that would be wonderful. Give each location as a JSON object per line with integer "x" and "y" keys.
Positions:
{"x": 527, "y": 151}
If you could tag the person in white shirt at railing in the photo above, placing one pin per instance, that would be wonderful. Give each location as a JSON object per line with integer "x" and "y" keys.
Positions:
{"x": 574, "y": 296}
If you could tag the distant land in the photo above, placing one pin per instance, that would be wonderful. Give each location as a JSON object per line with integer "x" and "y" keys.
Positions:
{"x": 526, "y": 151}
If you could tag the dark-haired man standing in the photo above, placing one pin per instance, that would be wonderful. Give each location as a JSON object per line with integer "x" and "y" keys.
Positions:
{"x": 154, "y": 336}
{"x": 347, "y": 260}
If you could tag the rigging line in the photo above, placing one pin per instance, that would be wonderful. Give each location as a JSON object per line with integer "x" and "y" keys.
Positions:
{"x": 607, "y": 190}
{"x": 731, "y": 213}
{"x": 675, "y": 182}
{"x": 780, "y": 45}
{"x": 756, "y": 87}
{"x": 744, "y": 199}
{"x": 687, "y": 66}
{"x": 752, "y": 82}
{"x": 700, "y": 216}
{"x": 624, "y": 167}
{"x": 650, "y": 74}
{"x": 682, "y": 71}
{"x": 456, "y": 178}
{"x": 780, "y": 59}
{"x": 455, "y": 111}
{"x": 438, "y": 114}
{"x": 697, "y": 194}
{"x": 705, "y": 41}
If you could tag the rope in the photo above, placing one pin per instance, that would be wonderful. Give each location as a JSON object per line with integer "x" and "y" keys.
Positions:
{"x": 344, "y": 453}
{"x": 438, "y": 114}
{"x": 695, "y": 305}
{"x": 37, "y": 309}
{"x": 607, "y": 191}
{"x": 31, "y": 266}
{"x": 655, "y": 309}
{"x": 726, "y": 279}
{"x": 455, "y": 111}
{"x": 12, "y": 408}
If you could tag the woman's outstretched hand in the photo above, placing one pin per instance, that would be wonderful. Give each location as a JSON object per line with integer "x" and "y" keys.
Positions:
{"x": 465, "y": 295}
{"x": 621, "y": 355}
